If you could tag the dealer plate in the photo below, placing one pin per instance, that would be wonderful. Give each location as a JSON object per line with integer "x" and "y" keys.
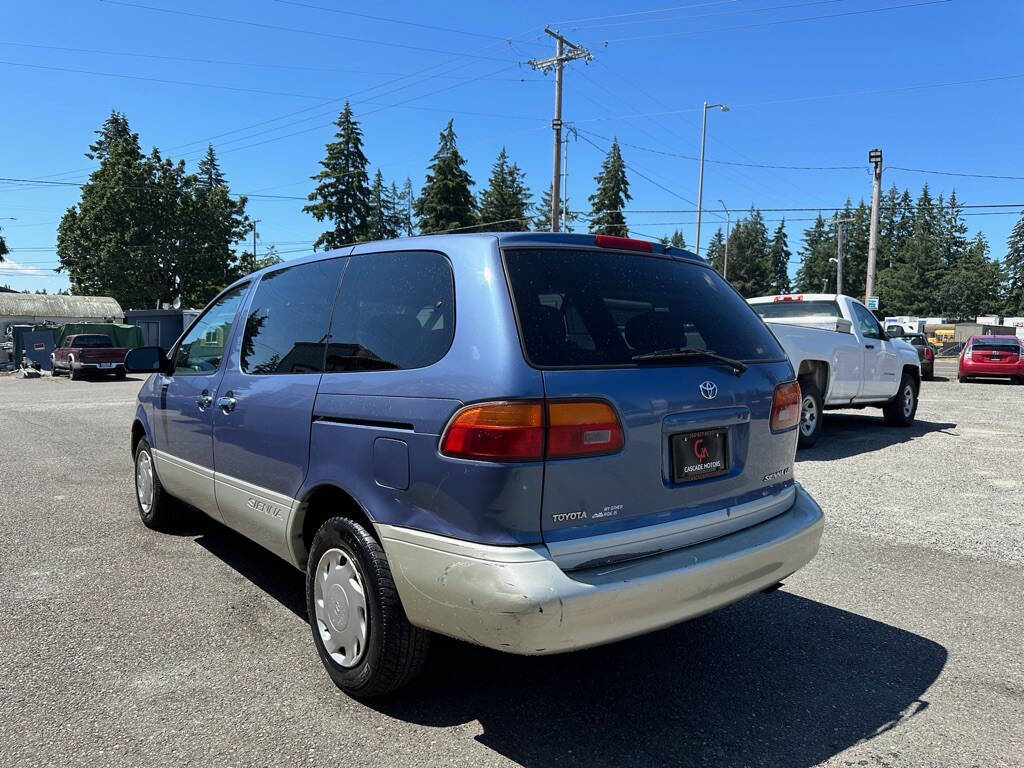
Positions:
{"x": 700, "y": 455}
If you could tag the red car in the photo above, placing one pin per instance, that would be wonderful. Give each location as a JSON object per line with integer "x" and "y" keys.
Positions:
{"x": 87, "y": 353}
{"x": 991, "y": 357}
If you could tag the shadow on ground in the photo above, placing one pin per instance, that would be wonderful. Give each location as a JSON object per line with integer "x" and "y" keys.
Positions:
{"x": 845, "y": 434}
{"x": 775, "y": 680}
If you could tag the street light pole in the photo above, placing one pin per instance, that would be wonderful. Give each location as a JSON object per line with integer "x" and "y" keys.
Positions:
{"x": 725, "y": 261}
{"x": 700, "y": 182}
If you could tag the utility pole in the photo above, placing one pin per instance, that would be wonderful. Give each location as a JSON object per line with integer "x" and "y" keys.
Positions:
{"x": 725, "y": 261}
{"x": 840, "y": 252}
{"x": 564, "y": 51}
{"x": 254, "y": 223}
{"x": 875, "y": 158}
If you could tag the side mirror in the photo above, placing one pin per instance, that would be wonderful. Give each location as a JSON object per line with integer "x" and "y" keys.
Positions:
{"x": 146, "y": 360}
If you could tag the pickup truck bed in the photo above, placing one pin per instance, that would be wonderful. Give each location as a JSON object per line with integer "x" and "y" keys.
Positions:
{"x": 843, "y": 358}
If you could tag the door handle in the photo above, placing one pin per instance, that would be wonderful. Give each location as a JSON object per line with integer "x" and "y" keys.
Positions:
{"x": 869, "y": 346}
{"x": 205, "y": 400}
{"x": 226, "y": 403}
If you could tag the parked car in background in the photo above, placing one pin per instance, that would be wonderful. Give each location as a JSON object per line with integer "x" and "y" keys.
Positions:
{"x": 532, "y": 442}
{"x": 842, "y": 357}
{"x": 991, "y": 357}
{"x": 925, "y": 353}
{"x": 87, "y": 353}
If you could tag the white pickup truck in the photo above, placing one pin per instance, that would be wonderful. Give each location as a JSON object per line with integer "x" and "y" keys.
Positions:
{"x": 843, "y": 358}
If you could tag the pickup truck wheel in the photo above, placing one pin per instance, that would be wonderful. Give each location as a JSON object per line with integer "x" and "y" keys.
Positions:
{"x": 72, "y": 373}
{"x": 157, "y": 508}
{"x": 810, "y": 414}
{"x": 119, "y": 373}
{"x": 54, "y": 370}
{"x": 900, "y": 411}
{"x": 360, "y": 629}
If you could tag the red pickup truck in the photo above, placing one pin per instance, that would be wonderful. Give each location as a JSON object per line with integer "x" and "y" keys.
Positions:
{"x": 87, "y": 353}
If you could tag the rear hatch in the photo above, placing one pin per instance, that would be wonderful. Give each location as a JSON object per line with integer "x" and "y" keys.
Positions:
{"x": 698, "y": 457}
{"x": 996, "y": 352}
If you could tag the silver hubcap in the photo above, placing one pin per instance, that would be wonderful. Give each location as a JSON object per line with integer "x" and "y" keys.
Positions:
{"x": 908, "y": 400}
{"x": 144, "y": 481}
{"x": 339, "y": 600}
{"x": 808, "y": 416}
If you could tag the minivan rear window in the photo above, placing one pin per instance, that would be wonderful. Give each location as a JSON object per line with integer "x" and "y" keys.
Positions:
{"x": 583, "y": 308}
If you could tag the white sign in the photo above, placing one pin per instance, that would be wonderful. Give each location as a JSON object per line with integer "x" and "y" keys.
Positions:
{"x": 987, "y": 320}
{"x": 872, "y": 302}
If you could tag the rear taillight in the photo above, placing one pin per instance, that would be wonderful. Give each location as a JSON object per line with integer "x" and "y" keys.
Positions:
{"x": 785, "y": 406}
{"x": 505, "y": 431}
{"x": 582, "y": 428}
{"x": 968, "y": 353}
{"x": 928, "y": 354}
{"x": 531, "y": 431}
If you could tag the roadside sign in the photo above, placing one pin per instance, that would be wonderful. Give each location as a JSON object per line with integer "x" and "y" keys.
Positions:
{"x": 872, "y": 302}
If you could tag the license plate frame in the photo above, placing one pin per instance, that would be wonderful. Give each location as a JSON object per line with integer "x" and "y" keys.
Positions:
{"x": 687, "y": 462}
{"x": 105, "y": 365}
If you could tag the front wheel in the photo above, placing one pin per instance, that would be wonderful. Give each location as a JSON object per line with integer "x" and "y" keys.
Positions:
{"x": 810, "y": 414}
{"x": 900, "y": 411}
{"x": 157, "y": 509}
{"x": 360, "y": 629}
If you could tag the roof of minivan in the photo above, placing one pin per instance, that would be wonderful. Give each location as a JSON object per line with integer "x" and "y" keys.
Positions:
{"x": 438, "y": 241}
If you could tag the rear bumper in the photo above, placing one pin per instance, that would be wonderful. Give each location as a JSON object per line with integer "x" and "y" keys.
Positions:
{"x": 517, "y": 599}
{"x": 110, "y": 367}
{"x": 992, "y": 370}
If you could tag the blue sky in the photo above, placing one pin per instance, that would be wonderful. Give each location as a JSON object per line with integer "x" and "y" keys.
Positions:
{"x": 937, "y": 85}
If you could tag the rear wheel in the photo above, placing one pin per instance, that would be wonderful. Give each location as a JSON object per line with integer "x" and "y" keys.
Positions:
{"x": 900, "y": 411}
{"x": 72, "y": 373}
{"x": 54, "y": 370}
{"x": 119, "y": 373}
{"x": 360, "y": 629}
{"x": 810, "y": 414}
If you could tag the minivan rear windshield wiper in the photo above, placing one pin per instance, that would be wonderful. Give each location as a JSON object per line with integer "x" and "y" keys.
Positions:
{"x": 683, "y": 352}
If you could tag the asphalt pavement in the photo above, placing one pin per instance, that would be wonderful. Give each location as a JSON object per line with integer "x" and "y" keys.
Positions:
{"x": 901, "y": 644}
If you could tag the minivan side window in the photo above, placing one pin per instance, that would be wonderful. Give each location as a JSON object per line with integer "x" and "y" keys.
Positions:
{"x": 394, "y": 311}
{"x": 869, "y": 327}
{"x": 290, "y": 314}
{"x": 202, "y": 349}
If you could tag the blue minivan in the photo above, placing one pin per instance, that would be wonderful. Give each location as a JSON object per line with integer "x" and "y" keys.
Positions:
{"x": 532, "y": 442}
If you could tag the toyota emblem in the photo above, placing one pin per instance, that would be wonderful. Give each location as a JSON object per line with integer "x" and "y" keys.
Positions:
{"x": 709, "y": 390}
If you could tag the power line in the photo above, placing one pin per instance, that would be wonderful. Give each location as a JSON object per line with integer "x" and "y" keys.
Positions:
{"x": 952, "y": 173}
{"x": 229, "y": 62}
{"x": 296, "y": 30}
{"x": 643, "y": 13}
{"x": 669, "y": 19}
{"x": 777, "y": 22}
{"x": 395, "y": 21}
{"x": 733, "y": 162}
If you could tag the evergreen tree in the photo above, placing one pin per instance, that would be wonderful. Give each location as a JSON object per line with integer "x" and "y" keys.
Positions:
{"x": 146, "y": 231}
{"x": 914, "y": 283}
{"x": 779, "y": 255}
{"x": 446, "y": 202}
{"x": 612, "y": 194}
{"x": 677, "y": 240}
{"x": 381, "y": 215}
{"x": 248, "y": 264}
{"x": 3, "y": 246}
{"x": 715, "y": 251}
{"x": 750, "y": 266}
{"x": 210, "y": 175}
{"x": 342, "y": 194}
{"x": 114, "y": 129}
{"x": 542, "y": 214}
{"x": 816, "y": 274}
{"x": 1013, "y": 265}
{"x": 953, "y": 231}
{"x": 404, "y": 209}
{"x": 504, "y": 205}
{"x": 971, "y": 286}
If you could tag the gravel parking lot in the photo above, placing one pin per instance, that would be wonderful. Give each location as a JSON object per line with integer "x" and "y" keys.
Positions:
{"x": 901, "y": 644}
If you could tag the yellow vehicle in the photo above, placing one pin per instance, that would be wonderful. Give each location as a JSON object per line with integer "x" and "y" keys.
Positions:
{"x": 941, "y": 337}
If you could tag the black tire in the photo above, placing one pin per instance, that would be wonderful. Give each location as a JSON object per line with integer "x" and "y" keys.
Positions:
{"x": 900, "y": 411}
{"x": 119, "y": 373}
{"x": 394, "y": 651}
{"x": 54, "y": 370}
{"x": 72, "y": 373}
{"x": 164, "y": 509}
{"x": 811, "y": 414}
